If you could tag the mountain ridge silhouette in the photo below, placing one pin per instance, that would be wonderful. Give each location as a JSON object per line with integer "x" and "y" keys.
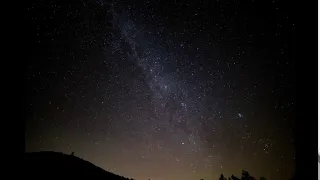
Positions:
{"x": 50, "y": 163}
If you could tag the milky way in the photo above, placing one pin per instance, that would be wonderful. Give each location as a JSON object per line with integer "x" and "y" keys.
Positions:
{"x": 150, "y": 90}
{"x": 170, "y": 98}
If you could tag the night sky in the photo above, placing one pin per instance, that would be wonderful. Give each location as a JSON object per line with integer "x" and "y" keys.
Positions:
{"x": 164, "y": 90}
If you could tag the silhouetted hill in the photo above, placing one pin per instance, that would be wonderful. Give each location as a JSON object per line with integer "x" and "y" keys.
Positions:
{"x": 53, "y": 164}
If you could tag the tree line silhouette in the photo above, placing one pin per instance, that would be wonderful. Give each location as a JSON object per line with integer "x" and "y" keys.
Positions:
{"x": 244, "y": 176}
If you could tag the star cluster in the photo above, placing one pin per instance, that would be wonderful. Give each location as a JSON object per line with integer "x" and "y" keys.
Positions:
{"x": 163, "y": 90}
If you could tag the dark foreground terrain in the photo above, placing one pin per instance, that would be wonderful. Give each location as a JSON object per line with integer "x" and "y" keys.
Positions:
{"x": 54, "y": 164}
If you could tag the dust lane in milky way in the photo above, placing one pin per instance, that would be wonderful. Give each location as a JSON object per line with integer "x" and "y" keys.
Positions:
{"x": 174, "y": 110}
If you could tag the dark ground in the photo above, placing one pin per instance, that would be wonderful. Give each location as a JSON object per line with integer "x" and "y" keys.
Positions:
{"x": 54, "y": 164}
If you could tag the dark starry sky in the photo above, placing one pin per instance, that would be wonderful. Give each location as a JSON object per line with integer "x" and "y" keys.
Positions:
{"x": 164, "y": 90}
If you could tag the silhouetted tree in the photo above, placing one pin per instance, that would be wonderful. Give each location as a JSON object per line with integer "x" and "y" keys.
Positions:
{"x": 246, "y": 176}
{"x": 222, "y": 177}
{"x": 234, "y": 178}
